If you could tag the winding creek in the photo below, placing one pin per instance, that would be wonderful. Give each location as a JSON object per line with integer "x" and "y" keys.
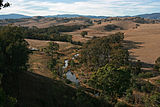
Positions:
{"x": 70, "y": 75}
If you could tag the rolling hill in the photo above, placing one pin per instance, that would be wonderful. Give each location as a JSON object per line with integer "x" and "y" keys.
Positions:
{"x": 18, "y": 16}
{"x": 13, "y": 16}
{"x": 150, "y": 16}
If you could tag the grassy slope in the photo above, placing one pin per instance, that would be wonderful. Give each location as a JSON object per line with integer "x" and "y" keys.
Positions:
{"x": 38, "y": 89}
{"x": 33, "y": 90}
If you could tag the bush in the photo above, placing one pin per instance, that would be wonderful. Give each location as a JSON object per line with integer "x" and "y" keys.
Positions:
{"x": 146, "y": 75}
{"x": 6, "y": 101}
{"x": 129, "y": 96}
{"x": 153, "y": 100}
{"x": 121, "y": 104}
{"x": 143, "y": 86}
{"x": 84, "y": 33}
{"x": 111, "y": 27}
{"x": 157, "y": 64}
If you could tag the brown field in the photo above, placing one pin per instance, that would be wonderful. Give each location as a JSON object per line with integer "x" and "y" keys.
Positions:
{"x": 98, "y": 30}
{"x": 42, "y": 44}
{"x": 38, "y": 60}
{"x": 143, "y": 42}
{"x": 146, "y": 40}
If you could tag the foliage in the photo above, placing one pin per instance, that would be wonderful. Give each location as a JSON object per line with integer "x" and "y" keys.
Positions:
{"x": 153, "y": 100}
{"x": 119, "y": 57}
{"x": 129, "y": 96}
{"x": 77, "y": 43}
{"x": 83, "y": 100}
{"x": 72, "y": 63}
{"x": 52, "y": 64}
{"x": 83, "y": 33}
{"x": 109, "y": 79}
{"x": 146, "y": 75}
{"x": 157, "y": 64}
{"x": 121, "y": 104}
{"x": 100, "y": 51}
{"x": 51, "y": 49}
{"x": 3, "y": 5}
{"x": 13, "y": 50}
{"x": 136, "y": 67}
{"x": 4, "y": 99}
{"x": 51, "y": 33}
{"x": 143, "y": 86}
{"x": 111, "y": 27}
{"x": 140, "y": 20}
{"x": 13, "y": 58}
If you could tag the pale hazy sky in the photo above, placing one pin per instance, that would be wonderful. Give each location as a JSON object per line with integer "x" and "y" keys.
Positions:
{"x": 83, "y": 7}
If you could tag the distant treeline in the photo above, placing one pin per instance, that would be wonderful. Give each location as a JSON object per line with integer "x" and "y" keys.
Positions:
{"x": 53, "y": 33}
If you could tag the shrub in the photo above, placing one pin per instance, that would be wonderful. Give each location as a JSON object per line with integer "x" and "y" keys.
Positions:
{"x": 111, "y": 27}
{"x": 143, "y": 86}
{"x": 121, "y": 104}
{"x": 84, "y": 33}
{"x": 157, "y": 64}
{"x": 146, "y": 75}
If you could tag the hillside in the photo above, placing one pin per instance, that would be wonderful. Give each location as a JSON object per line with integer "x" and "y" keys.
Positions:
{"x": 150, "y": 16}
{"x": 50, "y": 79}
{"x": 13, "y": 16}
{"x": 33, "y": 90}
{"x": 42, "y": 22}
{"x": 18, "y": 16}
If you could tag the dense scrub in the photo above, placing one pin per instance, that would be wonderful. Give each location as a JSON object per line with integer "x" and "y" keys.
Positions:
{"x": 111, "y": 27}
{"x": 100, "y": 51}
{"x": 51, "y": 33}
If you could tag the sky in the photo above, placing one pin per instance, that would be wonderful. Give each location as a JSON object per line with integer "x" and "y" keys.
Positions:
{"x": 82, "y": 7}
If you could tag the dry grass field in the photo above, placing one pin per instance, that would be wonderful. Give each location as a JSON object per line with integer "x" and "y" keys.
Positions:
{"x": 38, "y": 60}
{"x": 146, "y": 42}
{"x": 43, "y": 43}
{"x": 98, "y": 30}
{"x": 143, "y": 42}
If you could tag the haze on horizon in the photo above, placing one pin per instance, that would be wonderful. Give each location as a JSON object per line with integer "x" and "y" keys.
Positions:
{"x": 83, "y": 7}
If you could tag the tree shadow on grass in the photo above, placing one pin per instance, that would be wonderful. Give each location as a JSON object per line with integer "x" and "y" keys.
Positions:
{"x": 132, "y": 45}
{"x": 137, "y": 45}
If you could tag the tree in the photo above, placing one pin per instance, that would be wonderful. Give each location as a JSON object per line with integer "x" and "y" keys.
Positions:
{"x": 112, "y": 81}
{"x": 153, "y": 100}
{"x": 52, "y": 48}
{"x": 3, "y": 5}
{"x": 5, "y": 100}
{"x": 157, "y": 64}
{"x": 13, "y": 58}
{"x": 83, "y": 33}
{"x": 13, "y": 50}
{"x": 100, "y": 51}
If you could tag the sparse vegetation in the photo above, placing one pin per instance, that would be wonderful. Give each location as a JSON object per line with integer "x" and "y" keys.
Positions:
{"x": 84, "y": 33}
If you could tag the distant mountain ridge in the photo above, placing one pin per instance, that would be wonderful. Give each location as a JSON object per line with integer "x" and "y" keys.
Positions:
{"x": 19, "y": 16}
{"x": 76, "y": 15}
{"x": 13, "y": 16}
{"x": 150, "y": 16}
